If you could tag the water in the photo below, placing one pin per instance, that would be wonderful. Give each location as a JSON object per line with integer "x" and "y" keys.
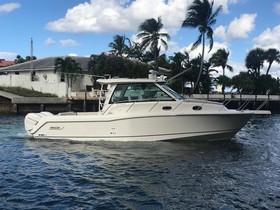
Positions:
{"x": 243, "y": 173}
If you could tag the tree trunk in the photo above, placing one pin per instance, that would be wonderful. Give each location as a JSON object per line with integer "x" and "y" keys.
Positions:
{"x": 223, "y": 85}
{"x": 269, "y": 66}
{"x": 201, "y": 63}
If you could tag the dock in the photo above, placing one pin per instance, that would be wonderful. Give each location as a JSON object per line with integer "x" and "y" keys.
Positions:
{"x": 14, "y": 104}
{"x": 259, "y": 103}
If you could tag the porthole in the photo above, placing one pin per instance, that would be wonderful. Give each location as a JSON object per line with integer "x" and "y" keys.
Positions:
{"x": 197, "y": 108}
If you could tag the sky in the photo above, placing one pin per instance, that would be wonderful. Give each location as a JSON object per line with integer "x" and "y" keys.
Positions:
{"x": 86, "y": 27}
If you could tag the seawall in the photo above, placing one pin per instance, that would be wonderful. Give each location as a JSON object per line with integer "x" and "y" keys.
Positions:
{"x": 25, "y": 105}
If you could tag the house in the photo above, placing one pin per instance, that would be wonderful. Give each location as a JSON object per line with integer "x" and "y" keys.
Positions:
{"x": 39, "y": 75}
{"x": 4, "y": 63}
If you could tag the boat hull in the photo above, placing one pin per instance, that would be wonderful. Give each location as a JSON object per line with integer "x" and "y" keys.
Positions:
{"x": 207, "y": 126}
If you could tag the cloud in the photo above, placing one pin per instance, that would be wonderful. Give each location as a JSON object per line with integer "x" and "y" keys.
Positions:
{"x": 196, "y": 52}
{"x": 99, "y": 16}
{"x": 64, "y": 42}
{"x": 237, "y": 66}
{"x": 239, "y": 28}
{"x": 275, "y": 70}
{"x": 221, "y": 32}
{"x": 277, "y": 7}
{"x": 9, "y": 7}
{"x": 8, "y": 55}
{"x": 224, "y": 4}
{"x": 173, "y": 47}
{"x": 72, "y": 54}
{"x": 49, "y": 41}
{"x": 268, "y": 38}
{"x": 68, "y": 43}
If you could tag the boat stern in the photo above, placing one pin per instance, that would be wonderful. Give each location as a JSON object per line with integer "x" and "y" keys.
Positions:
{"x": 32, "y": 119}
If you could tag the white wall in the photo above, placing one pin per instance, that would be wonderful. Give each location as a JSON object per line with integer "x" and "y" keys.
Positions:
{"x": 46, "y": 82}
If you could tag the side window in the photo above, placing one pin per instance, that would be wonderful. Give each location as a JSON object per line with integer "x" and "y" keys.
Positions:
{"x": 127, "y": 93}
{"x": 134, "y": 92}
{"x": 137, "y": 92}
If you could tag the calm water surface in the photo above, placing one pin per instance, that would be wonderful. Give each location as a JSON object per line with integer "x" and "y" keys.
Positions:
{"x": 243, "y": 173}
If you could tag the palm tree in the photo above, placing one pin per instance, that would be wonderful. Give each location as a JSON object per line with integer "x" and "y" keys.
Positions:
{"x": 135, "y": 51}
{"x": 179, "y": 63}
{"x": 254, "y": 61}
{"x": 220, "y": 58}
{"x": 243, "y": 82}
{"x": 68, "y": 68}
{"x": 152, "y": 38}
{"x": 28, "y": 58}
{"x": 200, "y": 15}
{"x": 19, "y": 59}
{"x": 271, "y": 55}
{"x": 118, "y": 46}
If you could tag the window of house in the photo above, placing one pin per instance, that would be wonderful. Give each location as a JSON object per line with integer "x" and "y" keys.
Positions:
{"x": 62, "y": 78}
{"x": 33, "y": 76}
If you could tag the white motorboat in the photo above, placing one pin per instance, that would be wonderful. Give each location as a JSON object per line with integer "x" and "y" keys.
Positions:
{"x": 140, "y": 110}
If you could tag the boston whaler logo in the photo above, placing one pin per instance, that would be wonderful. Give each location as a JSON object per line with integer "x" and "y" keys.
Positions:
{"x": 56, "y": 128}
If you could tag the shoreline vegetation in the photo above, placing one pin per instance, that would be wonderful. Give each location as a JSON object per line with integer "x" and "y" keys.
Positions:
{"x": 133, "y": 59}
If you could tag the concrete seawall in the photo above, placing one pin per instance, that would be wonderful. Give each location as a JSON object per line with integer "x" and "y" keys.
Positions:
{"x": 13, "y": 104}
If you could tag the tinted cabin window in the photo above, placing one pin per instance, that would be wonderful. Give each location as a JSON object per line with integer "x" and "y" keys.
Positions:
{"x": 138, "y": 92}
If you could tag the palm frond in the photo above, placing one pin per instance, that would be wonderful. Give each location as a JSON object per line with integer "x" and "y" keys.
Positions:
{"x": 197, "y": 43}
{"x": 209, "y": 35}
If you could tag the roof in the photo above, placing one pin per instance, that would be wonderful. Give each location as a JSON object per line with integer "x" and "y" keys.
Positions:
{"x": 126, "y": 80}
{"x": 45, "y": 64}
{"x": 4, "y": 63}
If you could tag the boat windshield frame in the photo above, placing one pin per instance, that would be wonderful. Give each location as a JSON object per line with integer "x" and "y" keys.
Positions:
{"x": 173, "y": 92}
{"x": 140, "y": 92}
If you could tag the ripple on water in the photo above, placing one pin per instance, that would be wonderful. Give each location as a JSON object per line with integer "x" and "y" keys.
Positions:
{"x": 239, "y": 174}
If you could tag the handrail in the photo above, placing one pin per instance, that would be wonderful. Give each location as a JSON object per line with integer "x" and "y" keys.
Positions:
{"x": 263, "y": 104}
{"x": 243, "y": 106}
{"x": 226, "y": 102}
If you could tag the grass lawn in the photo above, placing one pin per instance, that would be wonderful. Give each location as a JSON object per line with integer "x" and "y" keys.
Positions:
{"x": 25, "y": 92}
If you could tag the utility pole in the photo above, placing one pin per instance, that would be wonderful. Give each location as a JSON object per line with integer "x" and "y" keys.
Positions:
{"x": 31, "y": 60}
{"x": 31, "y": 55}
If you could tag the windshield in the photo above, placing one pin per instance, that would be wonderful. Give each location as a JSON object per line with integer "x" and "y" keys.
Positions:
{"x": 139, "y": 92}
{"x": 173, "y": 92}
